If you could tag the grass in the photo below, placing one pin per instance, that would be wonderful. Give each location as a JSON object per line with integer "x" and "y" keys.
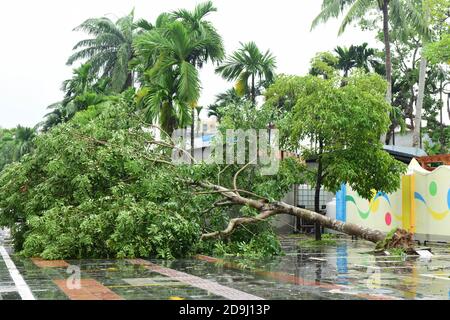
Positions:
{"x": 327, "y": 240}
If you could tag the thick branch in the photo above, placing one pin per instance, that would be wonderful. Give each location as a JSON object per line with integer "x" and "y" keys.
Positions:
{"x": 234, "y": 223}
{"x": 273, "y": 208}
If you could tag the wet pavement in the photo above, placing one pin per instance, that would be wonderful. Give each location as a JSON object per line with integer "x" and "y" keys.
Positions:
{"x": 345, "y": 270}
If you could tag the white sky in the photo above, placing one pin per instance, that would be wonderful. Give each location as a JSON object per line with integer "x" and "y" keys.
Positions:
{"x": 37, "y": 39}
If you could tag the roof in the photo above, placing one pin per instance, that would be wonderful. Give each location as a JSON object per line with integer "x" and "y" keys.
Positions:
{"x": 404, "y": 154}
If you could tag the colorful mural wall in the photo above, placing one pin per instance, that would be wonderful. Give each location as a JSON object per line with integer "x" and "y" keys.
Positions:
{"x": 421, "y": 205}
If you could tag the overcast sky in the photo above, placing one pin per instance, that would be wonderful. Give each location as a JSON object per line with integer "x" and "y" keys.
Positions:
{"x": 37, "y": 38}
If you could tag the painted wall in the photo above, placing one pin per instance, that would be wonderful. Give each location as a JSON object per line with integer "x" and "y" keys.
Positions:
{"x": 432, "y": 202}
{"x": 421, "y": 205}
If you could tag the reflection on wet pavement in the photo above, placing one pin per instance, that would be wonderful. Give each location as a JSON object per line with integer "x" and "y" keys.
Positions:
{"x": 346, "y": 270}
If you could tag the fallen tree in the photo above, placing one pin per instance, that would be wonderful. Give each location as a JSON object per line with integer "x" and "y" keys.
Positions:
{"x": 92, "y": 190}
{"x": 398, "y": 238}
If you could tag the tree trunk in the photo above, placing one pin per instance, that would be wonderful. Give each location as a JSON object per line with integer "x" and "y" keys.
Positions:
{"x": 442, "y": 137}
{"x": 129, "y": 82}
{"x": 253, "y": 90}
{"x": 387, "y": 48}
{"x": 317, "y": 226}
{"x": 192, "y": 132}
{"x": 419, "y": 104}
{"x": 390, "y": 132}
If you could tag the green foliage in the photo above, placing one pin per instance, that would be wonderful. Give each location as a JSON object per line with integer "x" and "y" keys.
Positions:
{"x": 324, "y": 64}
{"x": 246, "y": 66}
{"x": 348, "y": 120}
{"x": 91, "y": 189}
{"x": 77, "y": 197}
{"x": 15, "y": 143}
{"x": 327, "y": 240}
{"x": 167, "y": 58}
{"x": 109, "y": 50}
{"x": 382, "y": 244}
{"x": 263, "y": 244}
{"x": 439, "y": 52}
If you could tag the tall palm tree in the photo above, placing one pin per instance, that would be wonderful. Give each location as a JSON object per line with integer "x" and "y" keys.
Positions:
{"x": 425, "y": 9}
{"x": 172, "y": 81}
{"x": 213, "y": 50}
{"x": 356, "y": 9}
{"x": 245, "y": 65}
{"x": 180, "y": 42}
{"x": 110, "y": 49}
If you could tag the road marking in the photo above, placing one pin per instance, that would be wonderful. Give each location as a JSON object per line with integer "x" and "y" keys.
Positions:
{"x": 22, "y": 287}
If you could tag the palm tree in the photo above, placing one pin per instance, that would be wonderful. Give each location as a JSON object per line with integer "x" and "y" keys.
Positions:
{"x": 110, "y": 49}
{"x": 247, "y": 64}
{"x": 171, "y": 53}
{"x": 425, "y": 9}
{"x": 223, "y": 99}
{"x": 53, "y": 118}
{"x": 80, "y": 82}
{"x": 391, "y": 9}
{"x": 213, "y": 49}
{"x": 357, "y": 57}
{"x": 346, "y": 60}
{"x": 23, "y": 137}
{"x": 171, "y": 80}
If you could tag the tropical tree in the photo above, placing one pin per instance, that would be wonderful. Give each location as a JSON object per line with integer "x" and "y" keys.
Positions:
{"x": 80, "y": 92}
{"x": 357, "y": 9}
{"x": 246, "y": 65}
{"x": 24, "y": 140}
{"x": 357, "y": 57}
{"x": 110, "y": 49}
{"x": 213, "y": 49}
{"x": 345, "y": 132}
{"x": 15, "y": 143}
{"x": 432, "y": 15}
{"x": 172, "y": 51}
{"x": 229, "y": 97}
{"x": 81, "y": 81}
{"x": 7, "y": 147}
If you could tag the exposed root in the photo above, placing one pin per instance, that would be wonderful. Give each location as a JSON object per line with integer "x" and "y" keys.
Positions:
{"x": 398, "y": 239}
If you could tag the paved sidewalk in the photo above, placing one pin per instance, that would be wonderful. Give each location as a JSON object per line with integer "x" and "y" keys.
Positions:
{"x": 346, "y": 270}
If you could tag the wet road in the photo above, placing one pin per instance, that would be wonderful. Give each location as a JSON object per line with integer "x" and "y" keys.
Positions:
{"x": 345, "y": 270}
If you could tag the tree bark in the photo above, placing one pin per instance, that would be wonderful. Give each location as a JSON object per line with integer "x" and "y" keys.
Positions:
{"x": 387, "y": 48}
{"x": 129, "y": 82}
{"x": 253, "y": 90}
{"x": 317, "y": 226}
{"x": 419, "y": 104}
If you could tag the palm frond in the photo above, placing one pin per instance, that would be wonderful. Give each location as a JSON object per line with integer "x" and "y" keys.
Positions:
{"x": 358, "y": 10}
{"x": 189, "y": 84}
